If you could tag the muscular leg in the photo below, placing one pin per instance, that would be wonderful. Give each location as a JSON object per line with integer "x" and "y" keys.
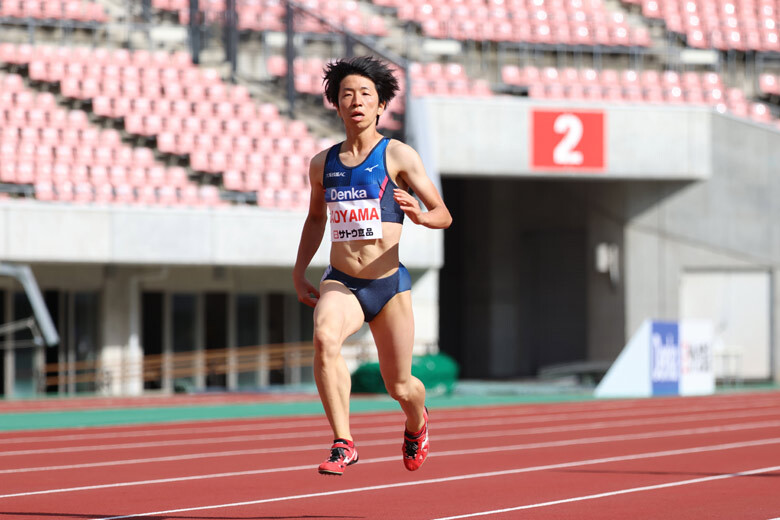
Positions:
{"x": 393, "y": 330}
{"x": 337, "y": 316}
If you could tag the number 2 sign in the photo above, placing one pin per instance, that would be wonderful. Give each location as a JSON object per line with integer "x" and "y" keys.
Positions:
{"x": 567, "y": 140}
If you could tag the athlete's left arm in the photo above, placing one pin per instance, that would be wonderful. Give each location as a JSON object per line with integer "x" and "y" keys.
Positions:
{"x": 403, "y": 159}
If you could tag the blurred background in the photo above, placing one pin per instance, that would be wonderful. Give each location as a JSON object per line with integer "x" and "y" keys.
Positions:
{"x": 606, "y": 162}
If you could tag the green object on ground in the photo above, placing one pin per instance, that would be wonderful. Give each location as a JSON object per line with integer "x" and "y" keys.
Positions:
{"x": 438, "y": 372}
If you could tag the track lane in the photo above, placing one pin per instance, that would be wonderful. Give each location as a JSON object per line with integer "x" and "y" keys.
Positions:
{"x": 558, "y": 426}
{"x": 168, "y": 463}
{"x": 274, "y": 481}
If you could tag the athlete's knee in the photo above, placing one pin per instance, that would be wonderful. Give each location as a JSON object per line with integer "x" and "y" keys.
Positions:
{"x": 399, "y": 390}
{"x": 327, "y": 343}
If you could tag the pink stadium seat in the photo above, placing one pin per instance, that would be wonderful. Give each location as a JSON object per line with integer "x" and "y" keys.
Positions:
{"x": 266, "y": 197}
{"x": 760, "y": 112}
{"x": 233, "y": 180}
{"x": 44, "y": 190}
{"x": 104, "y": 193}
{"x": 137, "y": 176}
{"x": 64, "y": 191}
{"x": 8, "y": 172}
{"x": 168, "y": 196}
{"x": 117, "y": 175}
{"x": 154, "y": 176}
{"x": 25, "y": 173}
{"x": 166, "y": 142}
{"x": 83, "y": 192}
{"x": 769, "y": 84}
{"x": 253, "y": 180}
{"x": 695, "y": 97}
{"x": 177, "y": 176}
{"x": 188, "y": 195}
{"x": 124, "y": 193}
{"x": 511, "y": 75}
{"x": 209, "y": 195}
{"x": 674, "y": 95}
{"x": 147, "y": 195}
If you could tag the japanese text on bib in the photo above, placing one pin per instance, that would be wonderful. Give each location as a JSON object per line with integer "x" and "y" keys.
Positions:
{"x": 355, "y": 213}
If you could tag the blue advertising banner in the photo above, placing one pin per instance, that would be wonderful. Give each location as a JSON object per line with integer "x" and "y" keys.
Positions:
{"x": 665, "y": 358}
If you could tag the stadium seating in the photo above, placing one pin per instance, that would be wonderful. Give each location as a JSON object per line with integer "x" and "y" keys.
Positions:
{"x": 769, "y": 84}
{"x": 630, "y": 86}
{"x": 268, "y": 15}
{"x": 76, "y": 10}
{"x": 190, "y": 111}
{"x": 66, "y": 158}
{"x": 238, "y": 149}
{"x": 548, "y": 22}
{"x": 721, "y": 24}
{"x": 432, "y": 78}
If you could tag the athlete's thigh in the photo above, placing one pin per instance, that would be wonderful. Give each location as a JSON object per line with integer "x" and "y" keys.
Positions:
{"x": 393, "y": 331}
{"x": 338, "y": 313}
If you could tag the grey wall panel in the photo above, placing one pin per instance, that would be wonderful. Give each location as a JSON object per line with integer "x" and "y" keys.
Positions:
{"x": 55, "y": 232}
{"x": 46, "y": 232}
{"x": 492, "y": 137}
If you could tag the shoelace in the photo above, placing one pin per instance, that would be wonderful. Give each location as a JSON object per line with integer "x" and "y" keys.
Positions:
{"x": 411, "y": 447}
{"x": 336, "y": 454}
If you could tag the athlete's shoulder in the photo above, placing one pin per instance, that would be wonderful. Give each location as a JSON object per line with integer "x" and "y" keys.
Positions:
{"x": 320, "y": 158}
{"x": 402, "y": 156}
{"x": 401, "y": 152}
{"x": 317, "y": 167}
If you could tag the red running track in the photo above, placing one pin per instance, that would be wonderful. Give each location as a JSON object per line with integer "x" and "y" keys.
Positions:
{"x": 715, "y": 457}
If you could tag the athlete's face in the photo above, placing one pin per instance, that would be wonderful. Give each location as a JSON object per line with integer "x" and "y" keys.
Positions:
{"x": 358, "y": 101}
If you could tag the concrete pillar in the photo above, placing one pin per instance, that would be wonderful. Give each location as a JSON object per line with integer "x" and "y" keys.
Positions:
{"x": 114, "y": 357}
{"x": 775, "y": 324}
{"x": 425, "y": 304}
{"x": 122, "y": 352}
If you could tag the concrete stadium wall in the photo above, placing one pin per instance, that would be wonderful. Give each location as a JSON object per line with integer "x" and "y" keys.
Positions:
{"x": 121, "y": 251}
{"x": 62, "y": 233}
{"x": 493, "y": 137}
{"x": 684, "y": 189}
{"x": 730, "y": 223}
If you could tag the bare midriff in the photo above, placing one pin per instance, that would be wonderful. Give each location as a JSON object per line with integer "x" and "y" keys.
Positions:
{"x": 369, "y": 259}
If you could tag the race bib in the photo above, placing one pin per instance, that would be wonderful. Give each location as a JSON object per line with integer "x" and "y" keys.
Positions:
{"x": 354, "y": 213}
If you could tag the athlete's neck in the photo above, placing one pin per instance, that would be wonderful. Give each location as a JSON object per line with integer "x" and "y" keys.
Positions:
{"x": 360, "y": 144}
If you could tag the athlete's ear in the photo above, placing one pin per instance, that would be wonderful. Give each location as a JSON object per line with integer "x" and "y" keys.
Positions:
{"x": 381, "y": 109}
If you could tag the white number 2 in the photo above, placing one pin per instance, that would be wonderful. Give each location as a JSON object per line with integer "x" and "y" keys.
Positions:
{"x": 571, "y": 126}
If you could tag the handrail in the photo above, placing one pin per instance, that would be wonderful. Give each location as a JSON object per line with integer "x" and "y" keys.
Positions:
{"x": 175, "y": 365}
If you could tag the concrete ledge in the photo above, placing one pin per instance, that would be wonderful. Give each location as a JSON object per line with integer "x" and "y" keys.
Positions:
{"x": 32, "y": 231}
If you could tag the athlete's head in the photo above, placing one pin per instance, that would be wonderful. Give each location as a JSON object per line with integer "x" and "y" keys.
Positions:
{"x": 379, "y": 73}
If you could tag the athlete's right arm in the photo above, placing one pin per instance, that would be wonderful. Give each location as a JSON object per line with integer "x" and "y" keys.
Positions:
{"x": 311, "y": 235}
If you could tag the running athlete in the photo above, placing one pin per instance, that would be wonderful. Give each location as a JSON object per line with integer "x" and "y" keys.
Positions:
{"x": 363, "y": 182}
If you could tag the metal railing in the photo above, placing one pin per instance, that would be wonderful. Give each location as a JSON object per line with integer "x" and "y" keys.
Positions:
{"x": 206, "y": 366}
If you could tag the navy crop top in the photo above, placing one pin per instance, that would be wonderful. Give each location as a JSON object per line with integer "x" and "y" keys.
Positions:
{"x": 373, "y": 170}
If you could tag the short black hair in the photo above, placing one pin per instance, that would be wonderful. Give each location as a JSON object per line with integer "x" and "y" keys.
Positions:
{"x": 367, "y": 66}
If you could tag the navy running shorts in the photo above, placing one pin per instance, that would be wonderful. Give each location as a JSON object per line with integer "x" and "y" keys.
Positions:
{"x": 372, "y": 294}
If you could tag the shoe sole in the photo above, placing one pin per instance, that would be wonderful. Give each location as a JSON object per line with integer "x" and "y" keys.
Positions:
{"x": 337, "y": 473}
{"x": 331, "y": 473}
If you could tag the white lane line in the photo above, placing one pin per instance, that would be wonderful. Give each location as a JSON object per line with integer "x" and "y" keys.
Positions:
{"x": 472, "y": 451}
{"x": 589, "y": 462}
{"x": 389, "y": 429}
{"x": 523, "y": 415}
{"x": 387, "y": 442}
{"x": 617, "y": 492}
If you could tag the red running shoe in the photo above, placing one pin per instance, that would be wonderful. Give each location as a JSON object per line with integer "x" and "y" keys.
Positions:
{"x": 415, "y": 448}
{"x": 341, "y": 456}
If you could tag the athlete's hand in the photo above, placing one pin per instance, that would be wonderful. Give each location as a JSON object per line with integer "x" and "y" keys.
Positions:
{"x": 409, "y": 205}
{"x": 307, "y": 293}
